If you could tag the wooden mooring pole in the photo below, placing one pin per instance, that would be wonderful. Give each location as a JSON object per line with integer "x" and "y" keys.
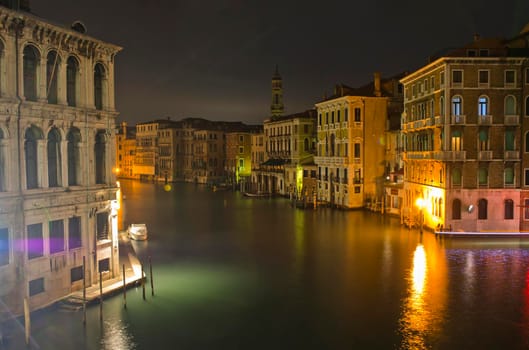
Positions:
{"x": 27, "y": 320}
{"x": 84, "y": 290}
{"x": 100, "y": 295}
{"x": 142, "y": 282}
{"x": 152, "y": 279}
{"x": 124, "y": 289}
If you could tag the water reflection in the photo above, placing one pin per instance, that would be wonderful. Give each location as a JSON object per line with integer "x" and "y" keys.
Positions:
{"x": 116, "y": 335}
{"x": 423, "y": 308}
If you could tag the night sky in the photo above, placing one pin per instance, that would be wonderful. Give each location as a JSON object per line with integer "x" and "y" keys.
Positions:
{"x": 214, "y": 59}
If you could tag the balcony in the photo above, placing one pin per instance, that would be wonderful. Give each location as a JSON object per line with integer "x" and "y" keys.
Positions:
{"x": 450, "y": 155}
{"x": 484, "y": 119}
{"x": 485, "y": 155}
{"x": 358, "y": 181}
{"x": 345, "y": 125}
{"x": 512, "y": 155}
{"x": 458, "y": 119}
{"x": 511, "y": 120}
{"x": 418, "y": 155}
{"x": 439, "y": 120}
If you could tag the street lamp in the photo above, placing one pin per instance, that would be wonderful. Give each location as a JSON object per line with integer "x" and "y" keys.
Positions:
{"x": 420, "y": 204}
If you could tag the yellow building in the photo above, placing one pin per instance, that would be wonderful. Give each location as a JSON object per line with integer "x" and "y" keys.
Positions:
{"x": 125, "y": 151}
{"x": 351, "y": 153}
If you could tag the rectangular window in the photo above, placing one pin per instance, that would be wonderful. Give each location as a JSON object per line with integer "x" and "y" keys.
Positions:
{"x": 526, "y": 209}
{"x": 356, "y": 150}
{"x": 56, "y": 236}
{"x": 442, "y": 78}
{"x": 357, "y": 189}
{"x": 74, "y": 232}
{"x": 358, "y": 115}
{"x": 4, "y": 246}
{"x": 346, "y": 115}
{"x": 510, "y": 77}
{"x": 241, "y": 163}
{"x": 104, "y": 265}
{"x": 76, "y": 274}
{"x": 509, "y": 140}
{"x": 526, "y": 177}
{"x": 457, "y": 78}
{"x": 483, "y": 77}
{"x": 241, "y": 138}
{"x": 35, "y": 241}
{"x": 102, "y": 226}
{"x": 241, "y": 150}
{"x": 36, "y": 286}
{"x": 527, "y": 75}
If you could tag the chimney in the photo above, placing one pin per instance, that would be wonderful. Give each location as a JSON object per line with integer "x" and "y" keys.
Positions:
{"x": 476, "y": 37}
{"x": 124, "y": 128}
{"x": 376, "y": 81}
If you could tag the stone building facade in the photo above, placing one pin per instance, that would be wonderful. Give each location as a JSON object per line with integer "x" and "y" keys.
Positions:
{"x": 57, "y": 153}
{"x": 125, "y": 151}
{"x": 465, "y": 127}
{"x": 351, "y": 154}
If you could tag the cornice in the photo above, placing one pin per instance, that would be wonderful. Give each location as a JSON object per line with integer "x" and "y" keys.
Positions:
{"x": 44, "y": 33}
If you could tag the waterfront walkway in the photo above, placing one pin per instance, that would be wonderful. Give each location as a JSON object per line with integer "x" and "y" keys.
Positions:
{"x": 133, "y": 276}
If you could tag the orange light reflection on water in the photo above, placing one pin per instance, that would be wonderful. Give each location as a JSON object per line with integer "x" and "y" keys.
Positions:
{"x": 423, "y": 308}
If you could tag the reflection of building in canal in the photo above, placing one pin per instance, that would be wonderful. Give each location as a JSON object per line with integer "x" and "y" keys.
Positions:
{"x": 424, "y": 308}
{"x": 57, "y": 185}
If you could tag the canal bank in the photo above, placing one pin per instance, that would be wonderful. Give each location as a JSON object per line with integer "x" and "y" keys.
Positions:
{"x": 129, "y": 263}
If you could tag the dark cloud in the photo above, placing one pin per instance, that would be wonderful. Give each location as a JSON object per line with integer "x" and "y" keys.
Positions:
{"x": 214, "y": 59}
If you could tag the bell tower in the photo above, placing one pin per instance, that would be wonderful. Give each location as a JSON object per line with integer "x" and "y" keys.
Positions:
{"x": 277, "y": 108}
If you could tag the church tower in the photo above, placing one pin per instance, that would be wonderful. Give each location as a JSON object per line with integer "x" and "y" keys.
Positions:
{"x": 277, "y": 107}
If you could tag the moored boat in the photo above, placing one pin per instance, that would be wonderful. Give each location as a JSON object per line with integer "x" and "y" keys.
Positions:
{"x": 137, "y": 232}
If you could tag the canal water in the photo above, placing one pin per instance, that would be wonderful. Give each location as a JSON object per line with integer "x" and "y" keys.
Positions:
{"x": 232, "y": 272}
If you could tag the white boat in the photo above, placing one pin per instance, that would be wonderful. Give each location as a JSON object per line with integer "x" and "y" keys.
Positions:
{"x": 137, "y": 232}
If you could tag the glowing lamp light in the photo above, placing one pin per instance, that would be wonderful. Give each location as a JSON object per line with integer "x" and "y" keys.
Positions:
{"x": 419, "y": 203}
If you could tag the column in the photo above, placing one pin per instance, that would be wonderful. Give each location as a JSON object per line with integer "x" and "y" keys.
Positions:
{"x": 42, "y": 164}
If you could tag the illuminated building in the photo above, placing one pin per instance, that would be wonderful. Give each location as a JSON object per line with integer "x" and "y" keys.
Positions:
{"x": 465, "y": 125}
{"x": 125, "y": 151}
{"x": 147, "y": 158}
{"x": 57, "y": 153}
{"x": 238, "y": 165}
{"x": 289, "y": 142}
{"x": 351, "y": 154}
{"x": 289, "y": 148}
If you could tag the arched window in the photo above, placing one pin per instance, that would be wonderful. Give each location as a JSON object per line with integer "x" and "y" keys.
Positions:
{"x": 456, "y": 177}
{"x": 456, "y": 209}
{"x": 99, "y": 77}
{"x": 2, "y": 64}
{"x": 72, "y": 69}
{"x": 510, "y": 105}
{"x": 30, "y": 66}
{"x": 33, "y": 134}
{"x": 54, "y": 158}
{"x": 457, "y": 105}
{"x": 508, "y": 209}
{"x": 74, "y": 164}
{"x": 482, "y": 209}
{"x": 100, "y": 156}
{"x": 3, "y": 183}
{"x": 483, "y": 105}
{"x": 52, "y": 67}
{"x": 440, "y": 212}
{"x": 509, "y": 176}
